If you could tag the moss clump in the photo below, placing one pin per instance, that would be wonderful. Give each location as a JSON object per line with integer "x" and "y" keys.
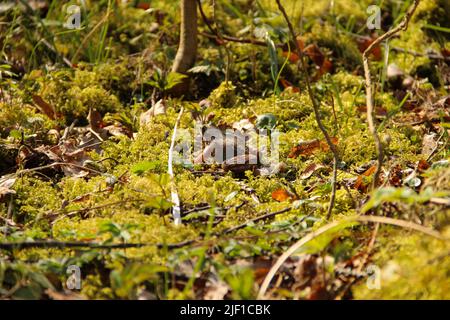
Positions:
{"x": 72, "y": 94}
{"x": 224, "y": 96}
{"x": 419, "y": 269}
{"x": 34, "y": 198}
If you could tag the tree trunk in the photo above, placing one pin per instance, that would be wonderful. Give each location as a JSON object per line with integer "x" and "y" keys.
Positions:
{"x": 187, "y": 49}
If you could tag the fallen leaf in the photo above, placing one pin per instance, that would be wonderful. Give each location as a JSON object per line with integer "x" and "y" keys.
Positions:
{"x": 143, "y": 5}
{"x": 95, "y": 120}
{"x": 310, "y": 169}
{"x": 292, "y": 56}
{"x": 46, "y": 108}
{"x": 422, "y": 165}
{"x": 379, "y": 111}
{"x": 286, "y": 84}
{"x": 326, "y": 67}
{"x": 360, "y": 184}
{"x": 315, "y": 54}
{"x": 308, "y": 148}
{"x": 216, "y": 290}
{"x": 159, "y": 108}
{"x": 283, "y": 195}
{"x": 429, "y": 144}
{"x": 363, "y": 44}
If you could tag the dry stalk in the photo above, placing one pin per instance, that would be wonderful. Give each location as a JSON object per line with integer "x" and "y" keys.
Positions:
{"x": 369, "y": 93}
{"x": 315, "y": 107}
{"x": 374, "y": 219}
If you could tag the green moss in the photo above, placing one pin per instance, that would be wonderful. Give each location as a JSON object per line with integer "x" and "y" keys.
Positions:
{"x": 419, "y": 269}
{"x": 224, "y": 96}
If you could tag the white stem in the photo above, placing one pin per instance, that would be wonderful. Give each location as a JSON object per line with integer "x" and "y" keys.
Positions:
{"x": 176, "y": 208}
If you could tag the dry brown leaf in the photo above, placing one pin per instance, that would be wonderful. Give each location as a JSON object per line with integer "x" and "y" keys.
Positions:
{"x": 286, "y": 84}
{"x": 363, "y": 44}
{"x": 360, "y": 184}
{"x": 429, "y": 144}
{"x": 308, "y": 148}
{"x": 46, "y": 108}
{"x": 159, "y": 108}
{"x": 283, "y": 195}
{"x": 310, "y": 169}
{"x": 379, "y": 111}
{"x": 422, "y": 165}
{"x": 315, "y": 54}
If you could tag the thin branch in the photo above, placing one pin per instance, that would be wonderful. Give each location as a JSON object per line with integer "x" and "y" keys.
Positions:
{"x": 315, "y": 107}
{"x": 328, "y": 227}
{"x": 98, "y": 25}
{"x": 262, "y": 217}
{"x": 68, "y": 244}
{"x": 369, "y": 94}
{"x": 364, "y": 261}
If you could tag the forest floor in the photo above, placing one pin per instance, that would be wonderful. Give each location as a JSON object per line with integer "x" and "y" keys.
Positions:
{"x": 87, "y": 119}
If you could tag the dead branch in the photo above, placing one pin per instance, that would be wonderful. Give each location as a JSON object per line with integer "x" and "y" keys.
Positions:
{"x": 369, "y": 94}
{"x": 315, "y": 107}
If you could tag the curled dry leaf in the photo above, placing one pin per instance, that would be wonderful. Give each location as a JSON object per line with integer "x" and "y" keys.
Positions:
{"x": 308, "y": 148}
{"x": 310, "y": 169}
{"x": 429, "y": 144}
{"x": 159, "y": 108}
{"x": 360, "y": 184}
{"x": 293, "y": 57}
{"x": 363, "y": 44}
{"x": 315, "y": 54}
{"x": 379, "y": 111}
{"x": 286, "y": 84}
{"x": 422, "y": 165}
{"x": 283, "y": 195}
{"x": 45, "y": 107}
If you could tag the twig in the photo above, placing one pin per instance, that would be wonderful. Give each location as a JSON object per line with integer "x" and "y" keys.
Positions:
{"x": 102, "y": 20}
{"x": 369, "y": 94}
{"x": 363, "y": 262}
{"x": 70, "y": 244}
{"x": 56, "y": 164}
{"x": 206, "y": 21}
{"x": 101, "y": 206}
{"x": 420, "y": 54}
{"x": 315, "y": 107}
{"x": 240, "y": 40}
{"x": 262, "y": 217}
{"x": 176, "y": 208}
{"x": 328, "y": 227}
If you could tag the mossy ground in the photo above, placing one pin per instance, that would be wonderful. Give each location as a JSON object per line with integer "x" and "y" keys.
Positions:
{"x": 121, "y": 205}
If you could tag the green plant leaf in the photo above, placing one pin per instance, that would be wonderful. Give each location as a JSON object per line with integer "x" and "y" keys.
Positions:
{"x": 266, "y": 121}
{"x": 144, "y": 166}
{"x": 174, "y": 78}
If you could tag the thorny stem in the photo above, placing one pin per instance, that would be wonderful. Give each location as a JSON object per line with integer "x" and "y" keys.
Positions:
{"x": 369, "y": 93}
{"x": 315, "y": 107}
